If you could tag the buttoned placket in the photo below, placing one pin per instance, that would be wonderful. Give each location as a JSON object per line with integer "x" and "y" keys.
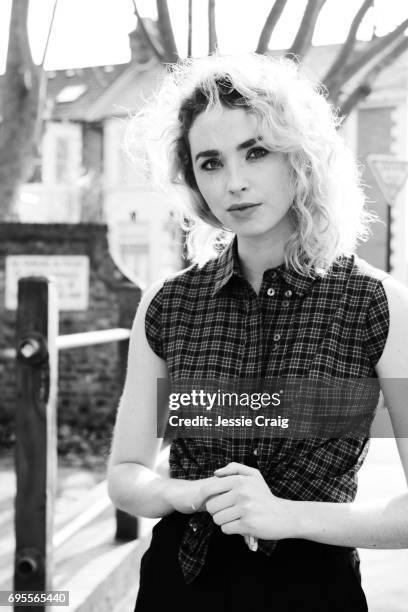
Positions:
{"x": 272, "y": 292}
{"x": 277, "y": 308}
{"x": 253, "y": 334}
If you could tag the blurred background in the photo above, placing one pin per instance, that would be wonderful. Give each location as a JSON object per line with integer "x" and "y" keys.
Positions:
{"x": 73, "y": 206}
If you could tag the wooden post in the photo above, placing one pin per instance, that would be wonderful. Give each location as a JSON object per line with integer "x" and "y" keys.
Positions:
{"x": 36, "y": 438}
{"x": 129, "y": 297}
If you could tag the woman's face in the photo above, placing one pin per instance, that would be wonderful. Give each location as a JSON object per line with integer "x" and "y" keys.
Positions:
{"x": 245, "y": 186}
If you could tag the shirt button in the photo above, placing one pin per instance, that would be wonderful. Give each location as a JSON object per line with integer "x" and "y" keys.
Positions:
{"x": 277, "y": 337}
{"x": 255, "y": 452}
{"x": 285, "y": 303}
{"x": 288, "y": 293}
{"x": 271, "y": 292}
{"x": 193, "y": 525}
{"x": 273, "y": 274}
{"x": 275, "y": 347}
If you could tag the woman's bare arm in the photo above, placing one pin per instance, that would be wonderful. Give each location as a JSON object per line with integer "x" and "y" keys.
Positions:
{"x": 133, "y": 484}
{"x": 383, "y": 523}
{"x": 249, "y": 506}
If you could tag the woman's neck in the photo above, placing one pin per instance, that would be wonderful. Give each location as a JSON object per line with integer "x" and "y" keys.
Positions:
{"x": 257, "y": 256}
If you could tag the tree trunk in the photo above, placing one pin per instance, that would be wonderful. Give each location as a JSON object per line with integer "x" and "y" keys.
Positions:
{"x": 23, "y": 96}
{"x": 190, "y": 29}
{"x": 350, "y": 42}
{"x": 212, "y": 32}
{"x": 304, "y": 36}
{"x": 166, "y": 32}
{"x": 269, "y": 25}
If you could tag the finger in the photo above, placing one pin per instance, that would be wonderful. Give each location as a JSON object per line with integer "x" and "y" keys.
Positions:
{"x": 216, "y": 503}
{"x": 233, "y": 527}
{"x": 197, "y": 505}
{"x": 235, "y": 468}
{"x": 219, "y": 485}
{"x": 253, "y": 543}
{"x": 227, "y": 516}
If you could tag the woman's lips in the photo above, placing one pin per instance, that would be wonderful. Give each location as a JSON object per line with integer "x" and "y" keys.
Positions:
{"x": 242, "y": 209}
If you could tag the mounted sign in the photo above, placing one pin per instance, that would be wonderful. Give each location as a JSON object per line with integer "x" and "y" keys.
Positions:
{"x": 70, "y": 271}
{"x": 390, "y": 173}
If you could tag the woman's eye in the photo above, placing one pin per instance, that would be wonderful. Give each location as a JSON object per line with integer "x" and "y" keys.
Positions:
{"x": 257, "y": 153}
{"x": 211, "y": 164}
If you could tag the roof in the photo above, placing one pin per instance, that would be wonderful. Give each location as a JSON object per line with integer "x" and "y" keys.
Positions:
{"x": 320, "y": 58}
{"x": 116, "y": 90}
{"x": 128, "y": 92}
{"x": 95, "y": 93}
{"x": 95, "y": 81}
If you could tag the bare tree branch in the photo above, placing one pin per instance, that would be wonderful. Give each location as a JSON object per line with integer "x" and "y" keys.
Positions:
{"x": 373, "y": 49}
{"x": 49, "y": 33}
{"x": 146, "y": 33}
{"x": 212, "y": 32}
{"x": 166, "y": 32}
{"x": 43, "y": 81}
{"x": 190, "y": 29}
{"x": 365, "y": 87}
{"x": 353, "y": 62}
{"x": 304, "y": 36}
{"x": 269, "y": 25}
{"x": 349, "y": 44}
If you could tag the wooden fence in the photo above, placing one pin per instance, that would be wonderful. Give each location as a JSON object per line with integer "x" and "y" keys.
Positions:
{"x": 38, "y": 345}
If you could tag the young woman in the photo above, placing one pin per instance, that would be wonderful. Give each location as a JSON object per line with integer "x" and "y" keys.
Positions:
{"x": 273, "y": 213}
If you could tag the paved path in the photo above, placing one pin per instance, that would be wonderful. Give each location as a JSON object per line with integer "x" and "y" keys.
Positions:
{"x": 384, "y": 571}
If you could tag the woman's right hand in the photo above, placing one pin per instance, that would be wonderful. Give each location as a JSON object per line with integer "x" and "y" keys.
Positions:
{"x": 187, "y": 496}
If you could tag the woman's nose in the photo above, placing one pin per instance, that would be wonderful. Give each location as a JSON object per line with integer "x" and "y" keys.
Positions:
{"x": 236, "y": 178}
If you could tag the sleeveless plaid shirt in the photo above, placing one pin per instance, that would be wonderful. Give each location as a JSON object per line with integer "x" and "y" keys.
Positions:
{"x": 209, "y": 323}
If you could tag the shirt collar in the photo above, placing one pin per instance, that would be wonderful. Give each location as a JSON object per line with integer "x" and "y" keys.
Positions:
{"x": 228, "y": 266}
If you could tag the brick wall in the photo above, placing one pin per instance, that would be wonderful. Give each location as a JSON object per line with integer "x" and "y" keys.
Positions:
{"x": 89, "y": 385}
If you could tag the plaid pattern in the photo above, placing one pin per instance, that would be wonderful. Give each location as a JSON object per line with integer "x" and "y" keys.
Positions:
{"x": 208, "y": 323}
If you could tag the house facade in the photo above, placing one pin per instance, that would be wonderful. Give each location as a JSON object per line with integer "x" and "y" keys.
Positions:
{"x": 378, "y": 126}
{"x": 84, "y": 175}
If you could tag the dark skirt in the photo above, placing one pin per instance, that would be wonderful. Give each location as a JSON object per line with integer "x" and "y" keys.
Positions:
{"x": 299, "y": 576}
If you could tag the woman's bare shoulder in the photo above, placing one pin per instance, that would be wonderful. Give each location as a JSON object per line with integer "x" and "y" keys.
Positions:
{"x": 394, "y": 360}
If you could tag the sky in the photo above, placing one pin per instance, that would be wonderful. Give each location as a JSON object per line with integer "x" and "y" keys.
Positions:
{"x": 94, "y": 32}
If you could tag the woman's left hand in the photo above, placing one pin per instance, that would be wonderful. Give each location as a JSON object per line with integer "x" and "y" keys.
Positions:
{"x": 241, "y": 502}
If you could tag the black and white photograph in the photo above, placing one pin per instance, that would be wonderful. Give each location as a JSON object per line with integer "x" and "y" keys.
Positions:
{"x": 204, "y": 305}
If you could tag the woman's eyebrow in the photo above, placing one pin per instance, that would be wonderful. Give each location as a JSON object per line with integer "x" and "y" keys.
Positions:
{"x": 244, "y": 145}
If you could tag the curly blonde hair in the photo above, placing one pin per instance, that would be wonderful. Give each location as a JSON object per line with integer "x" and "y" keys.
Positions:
{"x": 328, "y": 210}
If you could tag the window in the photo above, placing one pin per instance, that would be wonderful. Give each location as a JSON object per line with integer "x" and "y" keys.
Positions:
{"x": 70, "y": 93}
{"x": 62, "y": 160}
{"x": 62, "y": 153}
